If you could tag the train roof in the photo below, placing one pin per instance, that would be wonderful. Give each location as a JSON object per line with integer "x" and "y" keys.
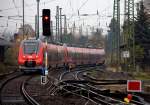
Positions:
{"x": 70, "y": 49}
{"x": 31, "y": 40}
{"x": 77, "y": 49}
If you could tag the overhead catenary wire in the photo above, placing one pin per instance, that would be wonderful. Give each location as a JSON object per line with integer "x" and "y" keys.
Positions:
{"x": 45, "y": 2}
{"x": 83, "y": 4}
{"x": 29, "y": 5}
{"x": 19, "y": 7}
{"x": 73, "y": 15}
{"x": 15, "y": 6}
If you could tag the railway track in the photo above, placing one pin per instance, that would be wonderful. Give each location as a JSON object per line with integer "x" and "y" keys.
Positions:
{"x": 71, "y": 76}
{"x": 3, "y": 76}
{"x": 53, "y": 88}
{"x": 13, "y": 91}
{"x": 84, "y": 88}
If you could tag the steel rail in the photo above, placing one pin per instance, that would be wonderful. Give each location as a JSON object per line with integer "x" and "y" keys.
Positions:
{"x": 24, "y": 93}
{"x": 104, "y": 82}
{"x": 86, "y": 87}
{"x": 5, "y": 82}
{"x": 81, "y": 88}
{"x": 93, "y": 93}
{"x": 27, "y": 97}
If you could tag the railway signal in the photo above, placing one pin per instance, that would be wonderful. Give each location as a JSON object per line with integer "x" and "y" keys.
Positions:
{"x": 46, "y": 22}
{"x": 46, "y": 32}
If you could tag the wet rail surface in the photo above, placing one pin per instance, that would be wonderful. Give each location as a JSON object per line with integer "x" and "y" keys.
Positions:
{"x": 13, "y": 92}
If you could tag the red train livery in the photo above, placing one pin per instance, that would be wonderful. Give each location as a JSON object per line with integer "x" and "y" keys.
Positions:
{"x": 31, "y": 56}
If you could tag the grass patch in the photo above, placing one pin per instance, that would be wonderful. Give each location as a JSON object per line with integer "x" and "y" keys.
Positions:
{"x": 141, "y": 75}
{"x": 97, "y": 74}
{"x": 92, "y": 73}
{"x": 2, "y": 68}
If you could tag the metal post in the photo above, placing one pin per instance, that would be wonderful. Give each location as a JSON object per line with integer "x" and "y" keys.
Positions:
{"x": 87, "y": 31}
{"x": 65, "y": 25}
{"x": 37, "y": 19}
{"x": 56, "y": 29}
{"x": 23, "y": 17}
{"x": 56, "y": 37}
{"x": 57, "y": 23}
{"x": 52, "y": 37}
{"x": 46, "y": 60}
{"x": 74, "y": 26}
{"x": 60, "y": 25}
{"x": 35, "y": 25}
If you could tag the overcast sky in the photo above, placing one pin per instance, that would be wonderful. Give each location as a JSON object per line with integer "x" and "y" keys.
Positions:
{"x": 13, "y": 8}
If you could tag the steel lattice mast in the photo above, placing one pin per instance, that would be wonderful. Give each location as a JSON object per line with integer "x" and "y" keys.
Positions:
{"x": 128, "y": 35}
{"x": 116, "y": 33}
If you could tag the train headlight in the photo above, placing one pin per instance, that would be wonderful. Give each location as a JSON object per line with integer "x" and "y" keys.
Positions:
{"x": 37, "y": 56}
{"x": 30, "y": 57}
{"x": 24, "y": 56}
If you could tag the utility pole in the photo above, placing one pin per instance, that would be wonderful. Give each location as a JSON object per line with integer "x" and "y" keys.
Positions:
{"x": 57, "y": 23}
{"x": 80, "y": 30}
{"x": 23, "y": 17}
{"x": 87, "y": 32}
{"x": 74, "y": 26}
{"x": 65, "y": 25}
{"x": 35, "y": 25}
{"x": 56, "y": 26}
{"x": 60, "y": 24}
{"x": 52, "y": 37}
{"x": 37, "y": 36}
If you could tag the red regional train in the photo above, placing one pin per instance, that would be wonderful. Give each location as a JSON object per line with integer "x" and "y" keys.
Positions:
{"x": 31, "y": 56}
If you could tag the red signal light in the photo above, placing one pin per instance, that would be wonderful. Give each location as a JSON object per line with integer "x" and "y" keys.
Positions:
{"x": 46, "y": 18}
{"x": 46, "y": 22}
{"x": 129, "y": 97}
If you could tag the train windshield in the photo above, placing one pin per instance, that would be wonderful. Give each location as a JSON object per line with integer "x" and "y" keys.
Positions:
{"x": 30, "y": 47}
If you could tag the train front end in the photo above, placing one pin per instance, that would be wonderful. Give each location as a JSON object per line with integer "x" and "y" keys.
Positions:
{"x": 30, "y": 58}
